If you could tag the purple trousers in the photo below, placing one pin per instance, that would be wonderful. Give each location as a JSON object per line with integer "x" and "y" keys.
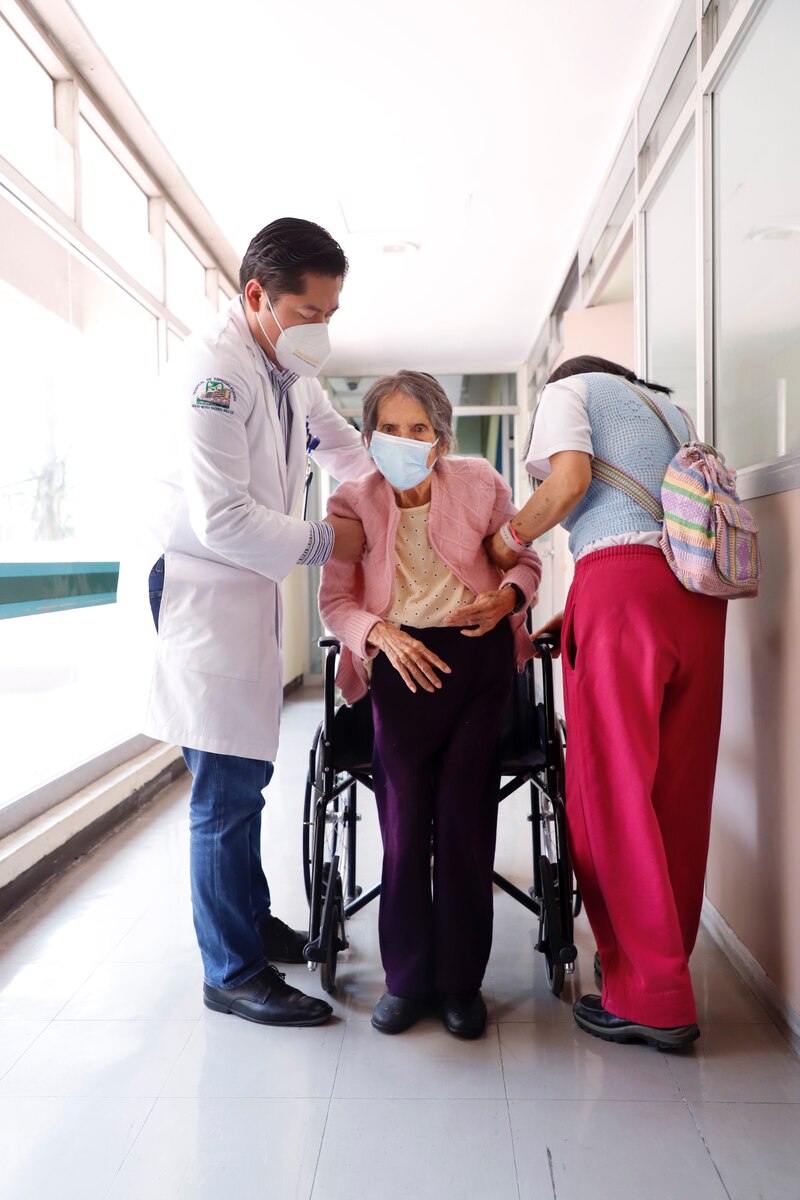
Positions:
{"x": 436, "y": 771}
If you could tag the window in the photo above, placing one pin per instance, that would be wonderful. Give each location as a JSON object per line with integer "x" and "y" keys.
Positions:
{"x": 757, "y": 244}
{"x": 670, "y": 256}
{"x": 716, "y": 14}
{"x": 488, "y": 436}
{"x": 28, "y": 136}
{"x": 65, "y": 503}
{"x": 224, "y": 296}
{"x": 114, "y": 211}
{"x": 174, "y": 343}
{"x": 668, "y": 88}
{"x": 610, "y": 212}
{"x": 186, "y": 281}
{"x": 463, "y": 391}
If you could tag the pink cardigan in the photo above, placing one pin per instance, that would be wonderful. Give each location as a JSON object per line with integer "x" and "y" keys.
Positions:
{"x": 469, "y": 501}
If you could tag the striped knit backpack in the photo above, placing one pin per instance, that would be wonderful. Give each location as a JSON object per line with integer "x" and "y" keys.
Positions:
{"x": 709, "y": 538}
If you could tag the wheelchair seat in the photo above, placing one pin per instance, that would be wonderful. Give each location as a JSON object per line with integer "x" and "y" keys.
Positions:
{"x": 353, "y": 736}
{"x": 340, "y": 760}
{"x": 522, "y": 735}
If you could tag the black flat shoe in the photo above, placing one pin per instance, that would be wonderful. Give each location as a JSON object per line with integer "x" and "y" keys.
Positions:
{"x": 281, "y": 943}
{"x": 394, "y": 1014}
{"x": 593, "y": 1018}
{"x": 269, "y": 1000}
{"x": 464, "y": 1013}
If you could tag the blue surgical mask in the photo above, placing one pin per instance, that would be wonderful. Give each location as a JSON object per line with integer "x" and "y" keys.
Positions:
{"x": 402, "y": 461}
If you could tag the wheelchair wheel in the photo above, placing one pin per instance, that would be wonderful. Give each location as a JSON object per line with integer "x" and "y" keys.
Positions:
{"x": 332, "y": 820}
{"x": 334, "y": 933}
{"x": 307, "y": 811}
{"x": 548, "y": 917}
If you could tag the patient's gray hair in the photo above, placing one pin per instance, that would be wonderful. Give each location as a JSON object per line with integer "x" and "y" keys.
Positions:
{"x": 423, "y": 388}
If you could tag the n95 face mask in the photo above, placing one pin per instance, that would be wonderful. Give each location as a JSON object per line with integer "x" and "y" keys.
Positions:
{"x": 401, "y": 461}
{"x": 303, "y": 349}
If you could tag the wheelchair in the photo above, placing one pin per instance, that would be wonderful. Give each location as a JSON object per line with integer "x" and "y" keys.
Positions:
{"x": 340, "y": 758}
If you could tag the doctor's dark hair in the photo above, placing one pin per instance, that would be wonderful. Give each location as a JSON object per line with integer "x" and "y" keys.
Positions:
{"x": 284, "y": 250}
{"x": 585, "y": 364}
{"x": 421, "y": 387}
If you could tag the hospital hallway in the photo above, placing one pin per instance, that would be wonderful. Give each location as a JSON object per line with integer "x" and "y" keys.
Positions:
{"x": 115, "y": 1082}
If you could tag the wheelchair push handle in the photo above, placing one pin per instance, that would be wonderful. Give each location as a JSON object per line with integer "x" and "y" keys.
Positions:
{"x": 547, "y": 642}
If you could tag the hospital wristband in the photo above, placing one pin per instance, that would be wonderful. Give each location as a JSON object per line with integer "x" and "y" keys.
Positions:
{"x": 320, "y": 545}
{"x": 512, "y": 539}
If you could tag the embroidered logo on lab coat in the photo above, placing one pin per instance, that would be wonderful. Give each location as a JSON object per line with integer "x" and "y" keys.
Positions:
{"x": 214, "y": 393}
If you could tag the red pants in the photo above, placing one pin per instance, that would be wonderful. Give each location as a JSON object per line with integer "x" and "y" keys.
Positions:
{"x": 643, "y": 660}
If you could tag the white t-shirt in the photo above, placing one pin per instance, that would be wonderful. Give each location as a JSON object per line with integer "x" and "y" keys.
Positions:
{"x": 562, "y": 423}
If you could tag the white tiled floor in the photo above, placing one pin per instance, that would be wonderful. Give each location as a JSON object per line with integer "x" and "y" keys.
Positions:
{"x": 116, "y": 1083}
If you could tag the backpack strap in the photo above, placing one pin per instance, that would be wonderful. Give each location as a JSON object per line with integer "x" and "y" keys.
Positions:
{"x": 614, "y": 477}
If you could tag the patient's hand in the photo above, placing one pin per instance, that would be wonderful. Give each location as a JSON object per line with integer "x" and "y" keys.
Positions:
{"x": 415, "y": 662}
{"x": 500, "y": 554}
{"x": 485, "y": 611}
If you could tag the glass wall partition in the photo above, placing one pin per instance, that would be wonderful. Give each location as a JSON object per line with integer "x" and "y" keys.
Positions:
{"x": 757, "y": 243}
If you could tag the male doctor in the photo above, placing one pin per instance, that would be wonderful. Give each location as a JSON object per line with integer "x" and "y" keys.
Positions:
{"x": 244, "y": 396}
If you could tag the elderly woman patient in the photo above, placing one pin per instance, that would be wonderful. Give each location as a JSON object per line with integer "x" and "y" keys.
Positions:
{"x": 433, "y": 629}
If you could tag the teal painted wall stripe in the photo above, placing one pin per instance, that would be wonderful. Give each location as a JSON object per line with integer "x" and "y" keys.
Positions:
{"x": 27, "y": 588}
{"x": 11, "y": 569}
{"x": 31, "y": 607}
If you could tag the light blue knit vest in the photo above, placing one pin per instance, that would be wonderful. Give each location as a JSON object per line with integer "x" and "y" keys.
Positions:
{"x": 629, "y": 436}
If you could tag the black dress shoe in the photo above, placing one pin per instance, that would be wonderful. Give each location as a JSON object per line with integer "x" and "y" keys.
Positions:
{"x": 394, "y": 1014}
{"x": 281, "y": 943}
{"x": 269, "y": 1000}
{"x": 464, "y": 1013}
{"x": 591, "y": 1016}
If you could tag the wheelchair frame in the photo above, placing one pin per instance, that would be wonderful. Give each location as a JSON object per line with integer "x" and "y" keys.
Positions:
{"x": 330, "y": 819}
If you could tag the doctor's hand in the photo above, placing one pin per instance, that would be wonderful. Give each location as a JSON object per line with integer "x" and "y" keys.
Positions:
{"x": 485, "y": 611}
{"x": 415, "y": 662}
{"x": 349, "y": 541}
{"x": 500, "y": 554}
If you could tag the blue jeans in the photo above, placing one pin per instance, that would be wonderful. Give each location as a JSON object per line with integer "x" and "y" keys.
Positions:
{"x": 230, "y": 894}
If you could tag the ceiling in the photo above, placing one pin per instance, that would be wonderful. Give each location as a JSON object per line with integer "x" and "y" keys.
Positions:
{"x": 453, "y": 147}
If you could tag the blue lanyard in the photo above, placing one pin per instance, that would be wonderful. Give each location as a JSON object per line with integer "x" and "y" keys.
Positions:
{"x": 311, "y": 445}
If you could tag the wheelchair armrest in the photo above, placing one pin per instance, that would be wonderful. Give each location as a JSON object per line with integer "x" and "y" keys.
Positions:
{"x": 325, "y": 642}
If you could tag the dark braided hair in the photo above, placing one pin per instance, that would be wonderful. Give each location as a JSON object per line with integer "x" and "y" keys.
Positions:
{"x": 584, "y": 364}
{"x": 281, "y": 254}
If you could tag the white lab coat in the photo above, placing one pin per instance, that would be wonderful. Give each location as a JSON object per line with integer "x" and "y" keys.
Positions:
{"x": 221, "y": 517}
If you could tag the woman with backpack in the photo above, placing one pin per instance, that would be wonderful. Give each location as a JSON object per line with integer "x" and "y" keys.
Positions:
{"x": 643, "y": 663}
